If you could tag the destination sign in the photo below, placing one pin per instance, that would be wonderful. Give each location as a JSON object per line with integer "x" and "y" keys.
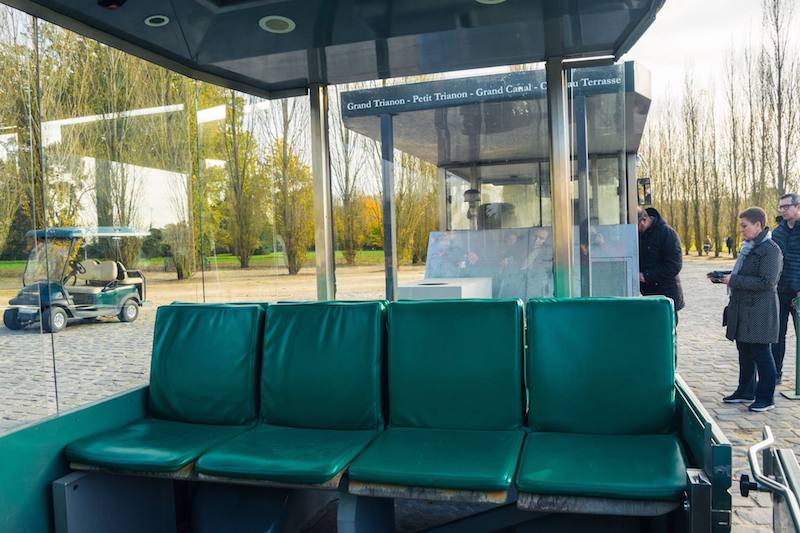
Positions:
{"x": 526, "y": 85}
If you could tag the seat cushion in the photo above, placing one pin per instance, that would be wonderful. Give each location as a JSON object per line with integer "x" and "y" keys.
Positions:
{"x": 322, "y": 365}
{"x": 456, "y": 364}
{"x": 636, "y": 467}
{"x": 204, "y": 363}
{"x": 150, "y": 445}
{"x": 286, "y": 455}
{"x": 441, "y": 458}
{"x": 583, "y": 377}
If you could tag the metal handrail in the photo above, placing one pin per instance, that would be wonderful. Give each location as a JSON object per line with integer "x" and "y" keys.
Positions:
{"x": 767, "y": 483}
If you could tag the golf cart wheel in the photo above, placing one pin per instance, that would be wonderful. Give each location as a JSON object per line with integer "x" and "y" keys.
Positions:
{"x": 129, "y": 311}
{"x": 54, "y": 319}
{"x": 11, "y": 319}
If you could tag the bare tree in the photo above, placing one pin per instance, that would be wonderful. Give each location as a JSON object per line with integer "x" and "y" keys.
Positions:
{"x": 780, "y": 60}
{"x": 349, "y": 152}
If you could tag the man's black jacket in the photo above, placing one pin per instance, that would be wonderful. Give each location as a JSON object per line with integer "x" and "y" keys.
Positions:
{"x": 661, "y": 260}
{"x": 788, "y": 239}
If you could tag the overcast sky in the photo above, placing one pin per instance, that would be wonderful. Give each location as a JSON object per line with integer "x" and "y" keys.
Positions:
{"x": 695, "y": 34}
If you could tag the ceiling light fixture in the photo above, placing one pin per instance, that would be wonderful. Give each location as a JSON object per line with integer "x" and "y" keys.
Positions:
{"x": 490, "y": 2}
{"x": 277, "y": 24}
{"x": 156, "y": 21}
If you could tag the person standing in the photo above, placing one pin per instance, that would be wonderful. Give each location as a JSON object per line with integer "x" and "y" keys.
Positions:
{"x": 729, "y": 244}
{"x": 660, "y": 258}
{"x": 751, "y": 316}
{"x": 787, "y": 236}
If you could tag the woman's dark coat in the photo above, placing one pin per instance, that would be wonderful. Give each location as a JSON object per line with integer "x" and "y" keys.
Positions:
{"x": 752, "y": 313}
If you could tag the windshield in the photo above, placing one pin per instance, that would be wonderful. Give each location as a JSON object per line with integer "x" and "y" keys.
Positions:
{"x": 57, "y": 254}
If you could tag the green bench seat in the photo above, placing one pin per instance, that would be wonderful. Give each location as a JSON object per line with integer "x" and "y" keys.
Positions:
{"x": 602, "y": 411}
{"x": 149, "y": 445}
{"x": 455, "y": 400}
{"x": 202, "y": 392}
{"x": 441, "y": 458}
{"x": 286, "y": 455}
{"x": 636, "y": 467}
{"x": 320, "y": 396}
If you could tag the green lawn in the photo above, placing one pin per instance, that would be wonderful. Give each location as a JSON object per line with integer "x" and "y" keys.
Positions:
{"x": 365, "y": 257}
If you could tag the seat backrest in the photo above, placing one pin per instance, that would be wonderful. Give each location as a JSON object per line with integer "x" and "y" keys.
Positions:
{"x": 601, "y": 365}
{"x": 204, "y": 364}
{"x": 456, "y": 364}
{"x": 104, "y": 271}
{"x": 322, "y": 365}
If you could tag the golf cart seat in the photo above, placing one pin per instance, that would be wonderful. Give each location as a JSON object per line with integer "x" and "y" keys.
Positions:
{"x": 125, "y": 278}
{"x": 96, "y": 277}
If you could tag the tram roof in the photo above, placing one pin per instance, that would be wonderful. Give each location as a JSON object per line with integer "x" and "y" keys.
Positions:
{"x": 342, "y": 41}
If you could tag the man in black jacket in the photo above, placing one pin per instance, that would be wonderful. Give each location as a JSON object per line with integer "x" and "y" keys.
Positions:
{"x": 660, "y": 258}
{"x": 787, "y": 236}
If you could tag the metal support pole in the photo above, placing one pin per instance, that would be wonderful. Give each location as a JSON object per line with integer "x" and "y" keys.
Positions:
{"x": 582, "y": 155}
{"x": 632, "y": 191}
{"x": 623, "y": 189}
{"x": 323, "y": 199}
{"x": 443, "y": 199}
{"x": 389, "y": 217}
{"x": 796, "y": 395}
{"x": 560, "y": 177}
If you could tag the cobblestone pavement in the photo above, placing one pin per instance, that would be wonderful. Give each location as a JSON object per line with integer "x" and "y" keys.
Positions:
{"x": 709, "y": 364}
{"x": 95, "y": 360}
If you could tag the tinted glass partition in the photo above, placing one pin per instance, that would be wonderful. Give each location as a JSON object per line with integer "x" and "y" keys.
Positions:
{"x": 27, "y": 376}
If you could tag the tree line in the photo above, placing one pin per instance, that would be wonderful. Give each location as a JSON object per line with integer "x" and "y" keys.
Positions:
{"x": 711, "y": 153}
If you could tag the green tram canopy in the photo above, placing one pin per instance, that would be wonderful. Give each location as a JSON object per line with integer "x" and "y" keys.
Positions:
{"x": 277, "y": 48}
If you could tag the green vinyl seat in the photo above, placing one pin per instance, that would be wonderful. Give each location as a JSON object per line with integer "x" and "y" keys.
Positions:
{"x": 149, "y": 445}
{"x": 320, "y": 395}
{"x": 602, "y": 411}
{"x": 646, "y": 467}
{"x": 455, "y": 397}
{"x": 202, "y": 391}
{"x": 441, "y": 458}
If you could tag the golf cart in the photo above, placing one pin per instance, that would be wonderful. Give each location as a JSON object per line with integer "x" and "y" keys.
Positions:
{"x": 57, "y": 286}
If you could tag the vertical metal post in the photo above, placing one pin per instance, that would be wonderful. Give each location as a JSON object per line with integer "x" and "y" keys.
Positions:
{"x": 389, "y": 217}
{"x": 443, "y": 203}
{"x": 560, "y": 178}
{"x": 594, "y": 180}
{"x": 622, "y": 171}
{"x": 632, "y": 191}
{"x": 582, "y": 155}
{"x": 323, "y": 198}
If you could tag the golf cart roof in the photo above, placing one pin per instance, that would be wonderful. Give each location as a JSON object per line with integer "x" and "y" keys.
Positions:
{"x": 83, "y": 233}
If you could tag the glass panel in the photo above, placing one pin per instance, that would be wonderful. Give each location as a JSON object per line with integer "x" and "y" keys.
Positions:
{"x": 257, "y": 197}
{"x": 606, "y": 246}
{"x": 27, "y": 390}
{"x": 357, "y": 187}
{"x": 472, "y": 186}
{"x": 119, "y": 195}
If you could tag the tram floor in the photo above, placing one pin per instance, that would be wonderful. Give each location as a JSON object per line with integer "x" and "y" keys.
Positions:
{"x": 96, "y": 359}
